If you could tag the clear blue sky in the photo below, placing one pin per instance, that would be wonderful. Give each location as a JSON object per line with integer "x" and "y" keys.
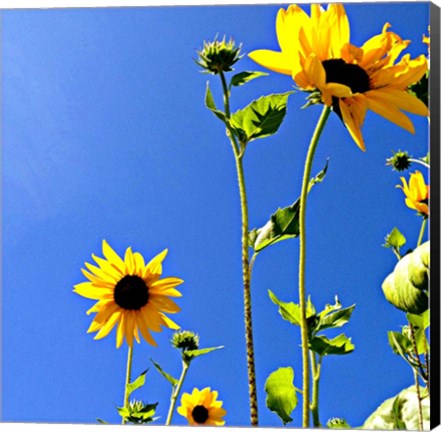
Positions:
{"x": 105, "y": 135}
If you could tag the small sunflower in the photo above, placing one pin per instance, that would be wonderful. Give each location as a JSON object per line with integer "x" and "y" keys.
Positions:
{"x": 417, "y": 193}
{"x": 316, "y": 53}
{"x": 130, "y": 295}
{"x": 201, "y": 408}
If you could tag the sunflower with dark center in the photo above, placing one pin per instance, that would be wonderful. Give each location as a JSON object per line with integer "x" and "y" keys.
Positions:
{"x": 131, "y": 295}
{"x": 201, "y": 408}
{"x": 317, "y": 54}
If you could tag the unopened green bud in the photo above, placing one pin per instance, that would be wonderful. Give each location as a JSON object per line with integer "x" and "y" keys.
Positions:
{"x": 337, "y": 423}
{"x": 218, "y": 56}
{"x": 185, "y": 340}
{"x": 400, "y": 161}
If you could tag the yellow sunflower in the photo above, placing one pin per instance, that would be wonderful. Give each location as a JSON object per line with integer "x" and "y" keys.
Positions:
{"x": 130, "y": 295}
{"x": 201, "y": 408}
{"x": 417, "y": 193}
{"x": 317, "y": 54}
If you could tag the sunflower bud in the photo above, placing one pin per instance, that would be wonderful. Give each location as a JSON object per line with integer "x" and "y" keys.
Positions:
{"x": 407, "y": 286}
{"x": 185, "y": 340}
{"x": 218, "y": 56}
{"x": 138, "y": 412}
{"x": 400, "y": 161}
{"x": 337, "y": 423}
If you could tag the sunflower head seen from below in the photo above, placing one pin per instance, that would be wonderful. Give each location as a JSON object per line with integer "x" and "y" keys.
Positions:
{"x": 219, "y": 56}
{"x": 316, "y": 52}
{"x": 201, "y": 408}
{"x": 131, "y": 295}
{"x": 417, "y": 193}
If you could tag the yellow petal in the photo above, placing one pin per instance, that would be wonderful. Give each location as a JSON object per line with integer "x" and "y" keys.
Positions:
{"x": 129, "y": 260}
{"x": 164, "y": 304}
{"x": 86, "y": 289}
{"x": 120, "y": 330}
{"x": 108, "y": 326}
{"x": 403, "y": 100}
{"x": 167, "y": 322}
{"x": 272, "y": 60}
{"x": 153, "y": 269}
{"x": 353, "y": 128}
{"x": 112, "y": 256}
{"x": 315, "y": 72}
{"x": 380, "y": 106}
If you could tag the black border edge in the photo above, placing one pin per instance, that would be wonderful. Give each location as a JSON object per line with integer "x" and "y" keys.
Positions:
{"x": 435, "y": 307}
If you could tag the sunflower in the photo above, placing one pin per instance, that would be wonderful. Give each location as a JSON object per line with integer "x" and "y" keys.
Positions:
{"x": 417, "y": 193}
{"x": 201, "y": 408}
{"x": 316, "y": 53}
{"x": 130, "y": 295}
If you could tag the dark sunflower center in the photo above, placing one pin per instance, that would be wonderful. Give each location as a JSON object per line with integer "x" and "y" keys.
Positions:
{"x": 353, "y": 76}
{"x": 200, "y": 414}
{"x": 131, "y": 292}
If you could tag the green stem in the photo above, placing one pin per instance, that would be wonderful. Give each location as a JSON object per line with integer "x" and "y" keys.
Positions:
{"x": 246, "y": 271}
{"x": 128, "y": 373}
{"x": 176, "y": 391}
{"x": 423, "y": 228}
{"x": 424, "y": 164}
{"x": 415, "y": 374}
{"x": 315, "y": 369}
{"x": 302, "y": 260}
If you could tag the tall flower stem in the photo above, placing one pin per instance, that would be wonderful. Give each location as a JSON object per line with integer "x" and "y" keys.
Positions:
{"x": 316, "y": 370}
{"x": 246, "y": 271}
{"x": 128, "y": 374}
{"x": 423, "y": 228}
{"x": 176, "y": 391}
{"x": 302, "y": 260}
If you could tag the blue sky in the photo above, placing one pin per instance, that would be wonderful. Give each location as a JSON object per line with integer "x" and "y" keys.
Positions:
{"x": 105, "y": 135}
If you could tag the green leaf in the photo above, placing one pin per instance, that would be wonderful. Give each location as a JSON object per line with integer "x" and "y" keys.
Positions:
{"x": 399, "y": 343}
{"x": 281, "y": 396}
{"x": 284, "y": 223}
{"x": 291, "y": 311}
{"x": 211, "y": 105}
{"x": 421, "y": 321}
{"x": 421, "y": 89}
{"x": 139, "y": 382}
{"x": 336, "y": 318}
{"x": 339, "y": 345}
{"x": 261, "y": 118}
{"x": 244, "y": 77}
{"x": 190, "y": 354}
{"x": 399, "y": 412}
{"x": 173, "y": 381}
{"x": 395, "y": 239}
{"x": 422, "y": 345}
{"x": 102, "y": 421}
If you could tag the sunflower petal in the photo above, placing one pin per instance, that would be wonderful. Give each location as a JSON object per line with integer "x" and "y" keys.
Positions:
{"x": 353, "y": 128}
{"x": 273, "y": 60}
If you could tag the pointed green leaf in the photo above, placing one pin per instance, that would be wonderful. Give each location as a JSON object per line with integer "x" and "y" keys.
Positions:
{"x": 422, "y": 344}
{"x": 339, "y": 345}
{"x": 139, "y": 382}
{"x": 190, "y": 354}
{"x": 261, "y": 118}
{"x": 211, "y": 105}
{"x": 102, "y": 421}
{"x": 281, "y": 396}
{"x": 291, "y": 311}
{"x": 336, "y": 318}
{"x": 173, "y": 381}
{"x": 284, "y": 223}
{"x": 395, "y": 239}
{"x": 421, "y": 321}
{"x": 399, "y": 343}
{"x": 244, "y": 77}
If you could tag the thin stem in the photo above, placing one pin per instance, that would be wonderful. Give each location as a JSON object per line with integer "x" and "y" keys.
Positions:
{"x": 128, "y": 374}
{"x": 415, "y": 374}
{"x": 423, "y": 228}
{"x": 315, "y": 369}
{"x": 426, "y": 165}
{"x": 302, "y": 260}
{"x": 246, "y": 271}
{"x": 175, "y": 392}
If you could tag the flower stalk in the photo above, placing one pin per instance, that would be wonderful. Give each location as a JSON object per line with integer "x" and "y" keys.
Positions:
{"x": 302, "y": 260}
{"x": 246, "y": 270}
{"x": 176, "y": 391}
{"x": 423, "y": 228}
{"x": 315, "y": 370}
{"x": 128, "y": 374}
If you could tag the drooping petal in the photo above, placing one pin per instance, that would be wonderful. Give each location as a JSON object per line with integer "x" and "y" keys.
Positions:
{"x": 273, "y": 60}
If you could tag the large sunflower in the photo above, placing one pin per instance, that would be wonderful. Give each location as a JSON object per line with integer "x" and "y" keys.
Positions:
{"x": 130, "y": 295}
{"x": 316, "y": 52}
{"x": 201, "y": 408}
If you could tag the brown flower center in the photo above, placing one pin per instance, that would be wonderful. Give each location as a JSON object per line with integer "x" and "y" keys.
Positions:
{"x": 200, "y": 414}
{"x": 353, "y": 76}
{"x": 131, "y": 292}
